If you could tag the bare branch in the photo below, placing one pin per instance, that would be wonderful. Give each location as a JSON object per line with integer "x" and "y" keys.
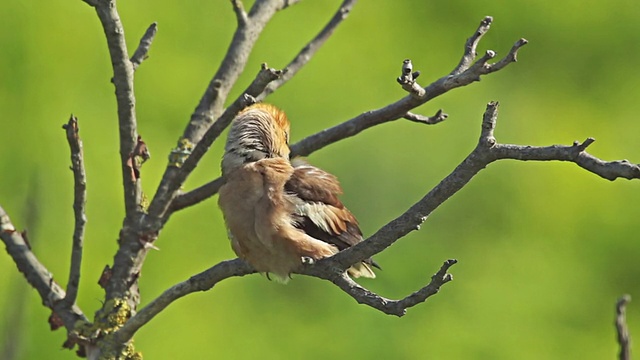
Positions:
{"x": 624, "y": 339}
{"x": 609, "y": 170}
{"x": 408, "y": 80}
{"x": 512, "y": 56}
{"x": 200, "y": 282}
{"x": 399, "y": 109}
{"x": 37, "y": 274}
{"x": 429, "y": 120}
{"x": 387, "y": 306}
{"x": 80, "y": 198}
{"x": 486, "y": 152}
{"x": 196, "y": 195}
{"x": 125, "y": 97}
{"x": 464, "y": 74}
{"x": 142, "y": 51}
{"x": 250, "y": 26}
{"x": 178, "y": 171}
{"x": 305, "y": 55}
{"x": 471, "y": 45}
{"x": 241, "y": 15}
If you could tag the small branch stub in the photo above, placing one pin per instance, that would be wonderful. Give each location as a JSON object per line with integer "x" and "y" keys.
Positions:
{"x": 408, "y": 80}
{"x": 624, "y": 340}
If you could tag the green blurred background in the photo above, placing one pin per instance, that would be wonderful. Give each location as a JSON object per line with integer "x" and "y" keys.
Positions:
{"x": 545, "y": 249}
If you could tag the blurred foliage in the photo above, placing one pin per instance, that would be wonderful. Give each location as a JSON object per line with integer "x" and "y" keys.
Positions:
{"x": 545, "y": 249}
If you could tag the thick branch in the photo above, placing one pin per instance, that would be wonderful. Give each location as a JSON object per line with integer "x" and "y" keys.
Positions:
{"x": 305, "y": 55}
{"x": 624, "y": 340}
{"x": 200, "y": 282}
{"x": 80, "y": 198}
{"x": 487, "y": 151}
{"x": 123, "y": 82}
{"x": 136, "y": 236}
{"x": 37, "y": 274}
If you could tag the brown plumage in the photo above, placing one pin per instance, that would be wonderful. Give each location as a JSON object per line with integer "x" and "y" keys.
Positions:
{"x": 278, "y": 214}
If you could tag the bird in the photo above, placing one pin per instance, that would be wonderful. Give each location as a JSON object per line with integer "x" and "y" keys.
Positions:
{"x": 281, "y": 214}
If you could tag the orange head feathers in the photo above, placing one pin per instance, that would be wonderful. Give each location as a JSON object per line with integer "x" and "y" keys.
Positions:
{"x": 280, "y": 215}
{"x": 258, "y": 132}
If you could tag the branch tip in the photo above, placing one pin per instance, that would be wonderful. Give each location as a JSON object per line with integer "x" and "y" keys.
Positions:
{"x": 80, "y": 198}
{"x": 241, "y": 15}
{"x": 310, "y": 49}
{"x": 622, "y": 331}
{"x": 439, "y": 117}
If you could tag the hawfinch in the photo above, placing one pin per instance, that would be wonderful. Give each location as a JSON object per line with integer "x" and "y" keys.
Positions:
{"x": 281, "y": 215}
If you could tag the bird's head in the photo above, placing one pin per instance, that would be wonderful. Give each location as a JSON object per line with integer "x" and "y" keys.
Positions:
{"x": 260, "y": 131}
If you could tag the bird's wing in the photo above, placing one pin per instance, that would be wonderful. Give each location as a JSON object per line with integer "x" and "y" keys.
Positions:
{"x": 319, "y": 212}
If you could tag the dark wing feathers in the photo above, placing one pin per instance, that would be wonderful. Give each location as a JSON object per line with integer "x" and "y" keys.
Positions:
{"x": 319, "y": 212}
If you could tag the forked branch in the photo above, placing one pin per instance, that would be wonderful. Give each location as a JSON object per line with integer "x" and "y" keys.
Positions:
{"x": 486, "y": 152}
{"x": 462, "y": 75}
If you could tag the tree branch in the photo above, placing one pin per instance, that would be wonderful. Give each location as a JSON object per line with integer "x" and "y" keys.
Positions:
{"x": 37, "y": 274}
{"x": 387, "y": 306}
{"x": 486, "y": 152}
{"x": 80, "y": 198}
{"x": 305, "y": 55}
{"x": 199, "y": 282}
{"x": 399, "y": 109}
{"x": 211, "y": 104}
{"x": 196, "y": 195}
{"x": 178, "y": 170}
{"x": 471, "y": 45}
{"x": 429, "y": 120}
{"x": 123, "y": 81}
{"x": 142, "y": 51}
{"x": 624, "y": 339}
{"x": 249, "y": 28}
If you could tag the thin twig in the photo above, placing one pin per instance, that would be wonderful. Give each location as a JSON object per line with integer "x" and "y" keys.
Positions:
{"x": 471, "y": 45}
{"x": 624, "y": 339}
{"x": 389, "y": 306}
{"x": 241, "y": 15}
{"x": 199, "y": 282}
{"x": 36, "y": 273}
{"x": 79, "y": 201}
{"x": 429, "y": 120}
{"x": 250, "y": 26}
{"x": 305, "y": 55}
{"x": 399, "y": 109}
{"x": 196, "y": 195}
{"x": 211, "y": 104}
{"x": 177, "y": 173}
{"x": 142, "y": 51}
